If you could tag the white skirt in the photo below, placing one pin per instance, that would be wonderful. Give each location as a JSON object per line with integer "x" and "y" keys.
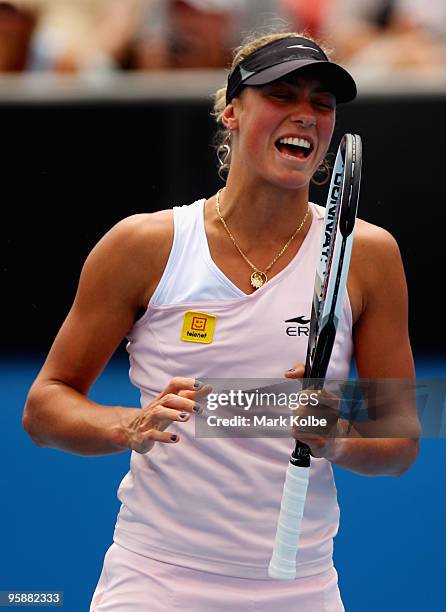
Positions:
{"x": 130, "y": 582}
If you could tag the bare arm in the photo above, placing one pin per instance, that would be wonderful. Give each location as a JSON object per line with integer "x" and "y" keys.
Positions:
{"x": 378, "y": 294}
{"x": 117, "y": 279}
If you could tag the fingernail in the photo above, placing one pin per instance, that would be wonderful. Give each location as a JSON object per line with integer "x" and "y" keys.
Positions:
{"x": 198, "y": 409}
{"x": 174, "y": 438}
{"x": 183, "y": 415}
{"x": 198, "y": 384}
{"x": 292, "y": 370}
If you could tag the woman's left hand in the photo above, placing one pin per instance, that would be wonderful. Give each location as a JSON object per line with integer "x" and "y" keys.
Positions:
{"x": 317, "y": 424}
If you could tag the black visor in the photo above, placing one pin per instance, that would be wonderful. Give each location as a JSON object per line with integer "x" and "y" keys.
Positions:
{"x": 280, "y": 57}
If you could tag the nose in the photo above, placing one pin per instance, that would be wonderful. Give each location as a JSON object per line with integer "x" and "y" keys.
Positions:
{"x": 306, "y": 121}
{"x": 304, "y": 114}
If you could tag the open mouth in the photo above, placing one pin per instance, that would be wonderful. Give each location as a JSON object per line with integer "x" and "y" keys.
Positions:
{"x": 299, "y": 148}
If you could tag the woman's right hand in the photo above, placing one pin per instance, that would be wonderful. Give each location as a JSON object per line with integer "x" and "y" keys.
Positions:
{"x": 177, "y": 402}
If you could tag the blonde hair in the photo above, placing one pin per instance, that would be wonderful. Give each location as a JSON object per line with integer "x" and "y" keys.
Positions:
{"x": 254, "y": 41}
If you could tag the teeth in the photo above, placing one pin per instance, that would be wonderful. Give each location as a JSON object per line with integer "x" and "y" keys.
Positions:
{"x": 297, "y": 142}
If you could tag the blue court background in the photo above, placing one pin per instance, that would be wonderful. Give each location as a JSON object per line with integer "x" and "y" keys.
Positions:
{"x": 58, "y": 512}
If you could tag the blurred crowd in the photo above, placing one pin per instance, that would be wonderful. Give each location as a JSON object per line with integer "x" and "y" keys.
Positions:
{"x": 73, "y": 36}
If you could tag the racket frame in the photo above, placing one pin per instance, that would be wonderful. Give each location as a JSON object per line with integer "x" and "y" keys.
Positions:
{"x": 328, "y": 300}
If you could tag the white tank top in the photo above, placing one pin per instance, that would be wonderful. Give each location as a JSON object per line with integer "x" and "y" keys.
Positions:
{"x": 212, "y": 504}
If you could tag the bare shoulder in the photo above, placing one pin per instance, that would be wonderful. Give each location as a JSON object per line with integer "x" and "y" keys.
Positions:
{"x": 133, "y": 254}
{"x": 373, "y": 241}
{"x": 379, "y": 298}
{"x": 113, "y": 290}
{"x": 375, "y": 253}
{"x": 144, "y": 236}
{"x": 143, "y": 233}
{"x": 376, "y": 266}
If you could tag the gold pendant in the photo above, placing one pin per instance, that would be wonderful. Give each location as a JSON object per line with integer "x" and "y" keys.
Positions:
{"x": 258, "y": 279}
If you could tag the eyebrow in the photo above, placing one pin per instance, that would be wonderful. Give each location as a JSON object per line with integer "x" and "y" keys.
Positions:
{"x": 319, "y": 89}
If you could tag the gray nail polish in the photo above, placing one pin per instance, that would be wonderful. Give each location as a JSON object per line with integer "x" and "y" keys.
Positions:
{"x": 198, "y": 384}
{"x": 198, "y": 409}
{"x": 174, "y": 438}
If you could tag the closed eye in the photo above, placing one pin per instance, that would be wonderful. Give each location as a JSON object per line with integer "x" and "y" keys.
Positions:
{"x": 328, "y": 103}
{"x": 321, "y": 99}
{"x": 281, "y": 96}
{"x": 278, "y": 92}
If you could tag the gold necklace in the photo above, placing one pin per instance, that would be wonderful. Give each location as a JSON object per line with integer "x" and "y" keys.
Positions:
{"x": 258, "y": 277}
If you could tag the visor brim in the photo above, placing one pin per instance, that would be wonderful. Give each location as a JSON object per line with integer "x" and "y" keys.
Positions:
{"x": 337, "y": 79}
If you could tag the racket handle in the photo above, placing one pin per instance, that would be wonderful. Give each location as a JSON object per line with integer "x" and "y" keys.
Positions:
{"x": 283, "y": 562}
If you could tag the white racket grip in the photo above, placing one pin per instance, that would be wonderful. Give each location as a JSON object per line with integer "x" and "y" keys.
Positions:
{"x": 283, "y": 562}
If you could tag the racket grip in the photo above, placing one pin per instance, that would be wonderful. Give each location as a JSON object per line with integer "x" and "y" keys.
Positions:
{"x": 283, "y": 561}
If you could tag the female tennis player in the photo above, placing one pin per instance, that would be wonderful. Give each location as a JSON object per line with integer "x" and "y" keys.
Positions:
{"x": 205, "y": 291}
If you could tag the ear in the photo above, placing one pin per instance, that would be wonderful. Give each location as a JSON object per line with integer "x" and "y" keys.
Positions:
{"x": 230, "y": 115}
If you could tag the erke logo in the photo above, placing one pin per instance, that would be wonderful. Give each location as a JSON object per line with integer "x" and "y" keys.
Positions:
{"x": 300, "y": 327}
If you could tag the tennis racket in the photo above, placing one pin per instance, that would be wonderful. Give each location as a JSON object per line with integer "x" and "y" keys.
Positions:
{"x": 328, "y": 299}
